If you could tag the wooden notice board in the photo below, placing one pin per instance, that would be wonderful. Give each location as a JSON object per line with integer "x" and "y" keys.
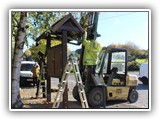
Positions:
{"x": 54, "y": 61}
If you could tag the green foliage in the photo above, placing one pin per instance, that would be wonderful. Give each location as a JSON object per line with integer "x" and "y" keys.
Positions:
{"x": 26, "y": 54}
{"x": 142, "y": 54}
{"x": 133, "y": 51}
{"x": 84, "y": 20}
{"x": 135, "y": 55}
{"x": 40, "y": 22}
{"x": 14, "y": 25}
{"x": 42, "y": 48}
{"x": 133, "y": 66}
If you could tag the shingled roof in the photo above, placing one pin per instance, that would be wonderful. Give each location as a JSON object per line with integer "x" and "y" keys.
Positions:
{"x": 67, "y": 23}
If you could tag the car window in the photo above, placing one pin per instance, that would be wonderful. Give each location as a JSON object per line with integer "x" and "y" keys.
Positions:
{"x": 26, "y": 67}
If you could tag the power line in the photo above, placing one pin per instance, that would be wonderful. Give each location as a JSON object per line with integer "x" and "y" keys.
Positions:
{"x": 118, "y": 16}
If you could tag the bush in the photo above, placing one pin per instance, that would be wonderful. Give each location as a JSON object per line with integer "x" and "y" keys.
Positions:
{"x": 133, "y": 66}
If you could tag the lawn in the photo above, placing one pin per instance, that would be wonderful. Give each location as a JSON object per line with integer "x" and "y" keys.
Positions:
{"x": 140, "y": 61}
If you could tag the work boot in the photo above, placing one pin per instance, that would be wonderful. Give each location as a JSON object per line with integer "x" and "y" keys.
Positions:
{"x": 44, "y": 96}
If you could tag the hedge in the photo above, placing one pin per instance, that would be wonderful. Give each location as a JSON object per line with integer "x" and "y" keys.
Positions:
{"x": 133, "y": 66}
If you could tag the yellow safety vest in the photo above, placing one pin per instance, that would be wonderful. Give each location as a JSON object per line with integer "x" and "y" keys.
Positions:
{"x": 91, "y": 51}
{"x": 36, "y": 71}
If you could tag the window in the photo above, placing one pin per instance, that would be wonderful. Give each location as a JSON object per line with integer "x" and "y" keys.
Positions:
{"x": 118, "y": 60}
{"x": 105, "y": 64}
{"x": 26, "y": 67}
{"x": 100, "y": 60}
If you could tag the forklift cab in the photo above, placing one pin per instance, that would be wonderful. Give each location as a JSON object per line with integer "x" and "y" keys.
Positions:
{"x": 111, "y": 79}
{"x": 112, "y": 66}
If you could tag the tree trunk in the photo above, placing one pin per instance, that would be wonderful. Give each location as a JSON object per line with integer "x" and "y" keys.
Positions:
{"x": 16, "y": 63}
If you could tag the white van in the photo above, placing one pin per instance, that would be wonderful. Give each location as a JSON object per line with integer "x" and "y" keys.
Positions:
{"x": 143, "y": 73}
{"x": 26, "y": 76}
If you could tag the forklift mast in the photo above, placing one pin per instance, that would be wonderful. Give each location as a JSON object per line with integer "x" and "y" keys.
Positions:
{"x": 92, "y": 18}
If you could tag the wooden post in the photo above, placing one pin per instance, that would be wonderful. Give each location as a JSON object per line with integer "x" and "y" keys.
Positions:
{"x": 48, "y": 77}
{"x": 48, "y": 89}
{"x": 64, "y": 54}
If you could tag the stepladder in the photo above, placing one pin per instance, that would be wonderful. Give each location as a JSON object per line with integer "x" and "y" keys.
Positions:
{"x": 71, "y": 66}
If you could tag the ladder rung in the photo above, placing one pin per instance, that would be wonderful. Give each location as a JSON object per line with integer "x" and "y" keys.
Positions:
{"x": 64, "y": 81}
{"x": 81, "y": 91}
{"x": 83, "y": 101}
{"x": 79, "y": 82}
{"x": 67, "y": 72}
{"x": 61, "y": 90}
{"x": 57, "y": 99}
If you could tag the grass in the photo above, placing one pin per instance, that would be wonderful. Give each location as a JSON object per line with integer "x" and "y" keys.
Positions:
{"x": 140, "y": 61}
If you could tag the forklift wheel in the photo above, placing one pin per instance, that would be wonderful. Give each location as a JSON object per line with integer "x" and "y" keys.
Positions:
{"x": 75, "y": 93}
{"x": 133, "y": 96}
{"x": 95, "y": 97}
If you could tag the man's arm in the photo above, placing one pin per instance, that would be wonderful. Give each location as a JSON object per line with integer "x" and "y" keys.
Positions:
{"x": 84, "y": 39}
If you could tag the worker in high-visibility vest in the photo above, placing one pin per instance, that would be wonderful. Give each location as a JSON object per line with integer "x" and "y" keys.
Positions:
{"x": 36, "y": 75}
{"x": 91, "y": 51}
{"x": 90, "y": 57}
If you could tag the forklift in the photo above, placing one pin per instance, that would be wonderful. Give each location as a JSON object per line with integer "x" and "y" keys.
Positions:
{"x": 111, "y": 80}
{"x": 111, "y": 72}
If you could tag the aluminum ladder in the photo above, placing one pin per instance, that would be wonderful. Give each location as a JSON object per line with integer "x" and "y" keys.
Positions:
{"x": 71, "y": 65}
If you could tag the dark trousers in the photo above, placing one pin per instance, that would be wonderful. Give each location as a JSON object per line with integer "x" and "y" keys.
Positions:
{"x": 35, "y": 81}
{"x": 39, "y": 83}
{"x": 38, "y": 88}
{"x": 89, "y": 70}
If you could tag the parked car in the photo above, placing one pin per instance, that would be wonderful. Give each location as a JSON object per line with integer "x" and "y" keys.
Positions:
{"x": 26, "y": 76}
{"x": 143, "y": 73}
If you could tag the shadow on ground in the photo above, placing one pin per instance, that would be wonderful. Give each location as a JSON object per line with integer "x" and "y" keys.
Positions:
{"x": 142, "y": 87}
{"x": 37, "y": 106}
{"x": 77, "y": 105}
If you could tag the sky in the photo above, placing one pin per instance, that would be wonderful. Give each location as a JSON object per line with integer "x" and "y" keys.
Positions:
{"x": 121, "y": 28}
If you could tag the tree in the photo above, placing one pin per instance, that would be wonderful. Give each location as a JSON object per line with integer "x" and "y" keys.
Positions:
{"x": 133, "y": 51}
{"x": 42, "y": 21}
{"x": 20, "y": 37}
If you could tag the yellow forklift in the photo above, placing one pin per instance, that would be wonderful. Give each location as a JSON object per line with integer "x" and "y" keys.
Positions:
{"x": 111, "y": 74}
{"x": 111, "y": 80}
